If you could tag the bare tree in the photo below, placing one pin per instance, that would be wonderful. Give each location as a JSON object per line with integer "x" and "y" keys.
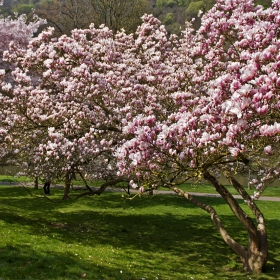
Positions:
{"x": 66, "y": 15}
{"x": 118, "y": 14}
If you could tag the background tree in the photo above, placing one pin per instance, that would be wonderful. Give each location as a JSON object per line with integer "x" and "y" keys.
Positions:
{"x": 119, "y": 14}
{"x": 183, "y": 10}
{"x": 5, "y": 8}
{"x": 102, "y": 11}
{"x": 57, "y": 113}
{"x": 64, "y": 112}
{"x": 67, "y": 15}
{"x": 18, "y": 32}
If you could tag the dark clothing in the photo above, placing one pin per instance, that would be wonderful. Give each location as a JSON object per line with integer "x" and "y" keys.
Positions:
{"x": 47, "y": 188}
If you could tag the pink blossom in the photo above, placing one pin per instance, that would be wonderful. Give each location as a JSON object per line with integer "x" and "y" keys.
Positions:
{"x": 268, "y": 150}
{"x": 234, "y": 151}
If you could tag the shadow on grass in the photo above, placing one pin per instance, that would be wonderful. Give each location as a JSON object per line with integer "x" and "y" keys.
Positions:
{"x": 169, "y": 226}
{"x": 21, "y": 262}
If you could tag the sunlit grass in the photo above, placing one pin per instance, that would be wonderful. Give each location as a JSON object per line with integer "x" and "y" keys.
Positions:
{"x": 13, "y": 179}
{"x": 110, "y": 237}
{"x": 206, "y": 188}
{"x": 189, "y": 187}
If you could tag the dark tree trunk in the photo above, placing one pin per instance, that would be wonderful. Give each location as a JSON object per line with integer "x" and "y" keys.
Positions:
{"x": 255, "y": 256}
{"x": 36, "y": 183}
{"x": 257, "y": 248}
{"x": 67, "y": 186}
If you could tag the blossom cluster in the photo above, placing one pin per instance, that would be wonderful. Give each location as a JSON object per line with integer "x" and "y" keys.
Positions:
{"x": 17, "y": 30}
{"x": 224, "y": 113}
{"x": 70, "y": 95}
{"x": 155, "y": 109}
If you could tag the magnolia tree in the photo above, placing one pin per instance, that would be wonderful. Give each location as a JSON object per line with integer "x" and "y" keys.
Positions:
{"x": 221, "y": 118}
{"x": 58, "y": 114}
{"x": 18, "y": 32}
{"x": 169, "y": 110}
{"x": 64, "y": 112}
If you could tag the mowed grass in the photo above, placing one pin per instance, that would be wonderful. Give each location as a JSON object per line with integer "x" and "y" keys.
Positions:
{"x": 10, "y": 179}
{"x": 110, "y": 237}
{"x": 188, "y": 187}
{"x": 206, "y": 188}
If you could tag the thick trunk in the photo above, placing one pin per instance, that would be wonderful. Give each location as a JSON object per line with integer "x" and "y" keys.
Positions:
{"x": 255, "y": 257}
{"x": 67, "y": 186}
{"x": 258, "y": 249}
{"x": 36, "y": 183}
{"x": 254, "y": 262}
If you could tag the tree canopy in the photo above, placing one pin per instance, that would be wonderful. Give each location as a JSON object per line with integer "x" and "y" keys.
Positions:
{"x": 221, "y": 118}
{"x": 67, "y": 15}
{"x": 153, "y": 109}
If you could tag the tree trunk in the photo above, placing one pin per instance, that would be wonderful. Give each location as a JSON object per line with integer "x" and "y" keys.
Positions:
{"x": 67, "y": 186}
{"x": 255, "y": 257}
{"x": 258, "y": 248}
{"x": 36, "y": 183}
{"x": 254, "y": 263}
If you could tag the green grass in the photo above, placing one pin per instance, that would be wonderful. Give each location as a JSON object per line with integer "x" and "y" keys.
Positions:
{"x": 205, "y": 188}
{"x": 6, "y": 178}
{"x": 202, "y": 188}
{"x": 24, "y": 179}
{"x": 109, "y": 237}
{"x": 14, "y": 179}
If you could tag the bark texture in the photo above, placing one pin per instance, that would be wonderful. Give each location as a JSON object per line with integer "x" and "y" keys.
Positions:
{"x": 254, "y": 257}
{"x": 67, "y": 186}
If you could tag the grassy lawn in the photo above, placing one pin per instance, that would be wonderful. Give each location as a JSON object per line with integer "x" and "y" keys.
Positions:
{"x": 109, "y": 237}
{"x": 199, "y": 188}
{"x": 23, "y": 179}
{"x": 12, "y": 179}
{"x": 270, "y": 191}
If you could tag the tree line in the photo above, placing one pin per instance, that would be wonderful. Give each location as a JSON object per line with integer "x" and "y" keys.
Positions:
{"x": 66, "y": 15}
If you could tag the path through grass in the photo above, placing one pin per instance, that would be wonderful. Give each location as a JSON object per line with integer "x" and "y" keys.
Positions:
{"x": 189, "y": 187}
